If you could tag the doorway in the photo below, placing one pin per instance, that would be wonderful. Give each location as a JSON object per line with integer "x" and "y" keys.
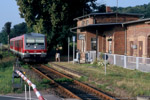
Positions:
{"x": 131, "y": 49}
{"x": 140, "y": 48}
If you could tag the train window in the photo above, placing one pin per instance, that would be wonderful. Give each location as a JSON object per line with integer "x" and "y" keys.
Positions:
{"x": 30, "y": 40}
{"x": 39, "y": 41}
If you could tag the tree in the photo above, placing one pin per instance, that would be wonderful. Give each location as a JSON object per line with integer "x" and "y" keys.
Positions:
{"x": 100, "y": 8}
{"x": 17, "y": 30}
{"x": 53, "y": 18}
{"x": 7, "y": 29}
{"x": 140, "y": 9}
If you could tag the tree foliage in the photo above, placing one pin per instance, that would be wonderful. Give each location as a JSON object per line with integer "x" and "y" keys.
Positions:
{"x": 100, "y": 8}
{"x": 17, "y": 30}
{"x": 140, "y": 9}
{"x": 53, "y": 17}
{"x": 7, "y": 27}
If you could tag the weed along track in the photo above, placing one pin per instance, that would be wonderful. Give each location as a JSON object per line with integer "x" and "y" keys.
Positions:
{"x": 69, "y": 87}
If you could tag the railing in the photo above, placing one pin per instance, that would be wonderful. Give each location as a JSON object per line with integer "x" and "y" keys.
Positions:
{"x": 40, "y": 97}
{"x": 129, "y": 62}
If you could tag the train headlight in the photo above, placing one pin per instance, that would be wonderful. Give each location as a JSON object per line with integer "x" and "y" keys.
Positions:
{"x": 35, "y": 46}
{"x": 26, "y": 51}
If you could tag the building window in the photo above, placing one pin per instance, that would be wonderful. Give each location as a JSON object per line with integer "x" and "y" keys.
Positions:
{"x": 83, "y": 23}
{"x": 87, "y": 22}
{"x": 93, "y": 43}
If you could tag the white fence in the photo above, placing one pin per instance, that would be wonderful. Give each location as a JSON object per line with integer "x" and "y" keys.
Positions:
{"x": 129, "y": 62}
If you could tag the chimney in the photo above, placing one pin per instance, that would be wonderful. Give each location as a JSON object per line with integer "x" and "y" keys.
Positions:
{"x": 108, "y": 9}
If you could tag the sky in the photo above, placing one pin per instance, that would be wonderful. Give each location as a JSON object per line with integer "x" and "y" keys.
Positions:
{"x": 9, "y": 9}
{"x": 9, "y": 13}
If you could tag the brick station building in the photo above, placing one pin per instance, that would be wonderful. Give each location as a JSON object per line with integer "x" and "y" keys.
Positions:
{"x": 116, "y": 33}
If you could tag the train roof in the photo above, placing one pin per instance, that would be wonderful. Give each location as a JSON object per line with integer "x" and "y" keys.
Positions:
{"x": 34, "y": 34}
{"x": 28, "y": 35}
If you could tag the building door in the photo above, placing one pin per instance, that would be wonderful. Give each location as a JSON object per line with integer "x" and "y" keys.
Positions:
{"x": 131, "y": 49}
{"x": 148, "y": 46}
{"x": 93, "y": 44}
{"x": 110, "y": 45}
{"x": 140, "y": 48}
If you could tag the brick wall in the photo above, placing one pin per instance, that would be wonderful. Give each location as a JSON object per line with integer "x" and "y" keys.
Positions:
{"x": 112, "y": 18}
{"x": 119, "y": 41}
{"x": 90, "y": 21}
{"x": 136, "y": 33}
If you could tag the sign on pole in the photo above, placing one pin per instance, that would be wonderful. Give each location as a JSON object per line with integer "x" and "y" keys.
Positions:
{"x": 73, "y": 38}
{"x": 81, "y": 36}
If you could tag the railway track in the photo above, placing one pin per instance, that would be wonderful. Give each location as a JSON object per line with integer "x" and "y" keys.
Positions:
{"x": 71, "y": 88}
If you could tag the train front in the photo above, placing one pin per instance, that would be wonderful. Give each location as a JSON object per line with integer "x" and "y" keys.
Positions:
{"x": 35, "y": 47}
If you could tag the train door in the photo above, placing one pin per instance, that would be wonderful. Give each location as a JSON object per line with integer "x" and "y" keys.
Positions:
{"x": 140, "y": 48}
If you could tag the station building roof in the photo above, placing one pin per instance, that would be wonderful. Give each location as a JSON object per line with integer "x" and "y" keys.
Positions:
{"x": 108, "y": 13}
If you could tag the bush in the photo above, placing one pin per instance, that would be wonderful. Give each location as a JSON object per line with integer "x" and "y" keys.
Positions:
{"x": 101, "y": 55}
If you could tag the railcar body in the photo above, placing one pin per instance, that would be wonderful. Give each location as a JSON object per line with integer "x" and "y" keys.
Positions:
{"x": 29, "y": 47}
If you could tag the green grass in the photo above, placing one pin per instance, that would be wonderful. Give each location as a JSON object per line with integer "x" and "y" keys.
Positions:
{"x": 116, "y": 80}
{"x": 5, "y": 81}
{"x": 6, "y": 70}
{"x": 83, "y": 78}
{"x": 64, "y": 79}
{"x": 42, "y": 85}
{"x": 25, "y": 66}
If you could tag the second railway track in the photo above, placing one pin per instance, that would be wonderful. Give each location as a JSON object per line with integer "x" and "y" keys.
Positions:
{"x": 72, "y": 89}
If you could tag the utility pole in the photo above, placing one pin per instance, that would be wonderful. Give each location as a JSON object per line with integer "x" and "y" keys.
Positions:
{"x": 68, "y": 48}
{"x": 117, "y": 11}
{"x": 73, "y": 38}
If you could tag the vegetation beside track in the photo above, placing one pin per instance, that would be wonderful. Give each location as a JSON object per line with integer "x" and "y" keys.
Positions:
{"x": 120, "y": 81}
{"x": 41, "y": 84}
{"x": 6, "y": 70}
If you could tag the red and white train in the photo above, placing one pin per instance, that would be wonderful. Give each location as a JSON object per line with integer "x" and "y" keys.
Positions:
{"x": 29, "y": 47}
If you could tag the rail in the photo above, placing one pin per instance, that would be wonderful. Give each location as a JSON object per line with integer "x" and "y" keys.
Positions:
{"x": 81, "y": 85}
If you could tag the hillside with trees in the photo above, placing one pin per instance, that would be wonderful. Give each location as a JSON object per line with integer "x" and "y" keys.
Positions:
{"x": 17, "y": 30}
{"x": 140, "y": 9}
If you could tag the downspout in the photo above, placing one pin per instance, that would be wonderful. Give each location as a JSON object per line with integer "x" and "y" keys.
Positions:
{"x": 125, "y": 29}
{"x": 72, "y": 31}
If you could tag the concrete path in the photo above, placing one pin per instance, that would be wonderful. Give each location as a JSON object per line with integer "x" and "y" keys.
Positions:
{"x": 46, "y": 97}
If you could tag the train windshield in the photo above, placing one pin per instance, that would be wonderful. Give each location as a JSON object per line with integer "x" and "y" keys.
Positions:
{"x": 35, "y": 41}
{"x": 39, "y": 41}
